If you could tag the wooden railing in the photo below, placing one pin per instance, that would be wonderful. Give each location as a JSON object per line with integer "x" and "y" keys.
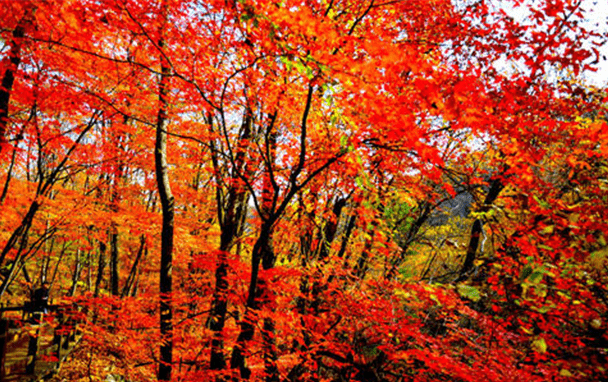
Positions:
{"x": 47, "y": 336}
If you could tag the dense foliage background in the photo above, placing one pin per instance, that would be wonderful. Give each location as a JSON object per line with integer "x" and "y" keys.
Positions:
{"x": 317, "y": 190}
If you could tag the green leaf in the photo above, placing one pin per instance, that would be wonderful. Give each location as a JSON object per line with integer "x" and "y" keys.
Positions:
{"x": 536, "y": 276}
{"x": 525, "y": 272}
{"x": 599, "y": 256}
{"x": 539, "y": 345}
{"x": 548, "y": 230}
{"x": 542, "y": 309}
{"x": 565, "y": 373}
{"x": 542, "y": 203}
{"x": 287, "y": 62}
{"x": 469, "y": 292}
{"x": 343, "y": 141}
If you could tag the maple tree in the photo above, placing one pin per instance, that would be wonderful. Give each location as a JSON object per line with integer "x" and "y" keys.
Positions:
{"x": 252, "y": 190}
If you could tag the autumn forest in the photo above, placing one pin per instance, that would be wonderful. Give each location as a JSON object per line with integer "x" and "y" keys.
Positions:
{"x": 307, "y": 190}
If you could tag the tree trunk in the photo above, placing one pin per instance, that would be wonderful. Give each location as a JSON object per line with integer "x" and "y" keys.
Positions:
{"x": 248, "y": 322}
{"x": 114, "y": 205}
{"x": 20, "y": 234}
{"x": 167, "y": 203}
{"x": 230, "y": 220}
{"x": 76, "y": 274}
{"x": 270, "y": 211}
{"x": 134, "y": 268}
{"x": 346, "y": 237}
{"x": 270, "y": 353}
{"x": 14, "y": 59}
{"x": 9, "y": 175}
{"x": 411, "y": 235}
{"x": 331, "y": 227}
{"x": 262, "y": 253}
{"x": 259, "y": 287}
{"x": 495, "y": 188}
{"x": 101, "y": 266}
{"x": 114, "y": 261}
{"x": 329, "y": 233}
{"x": 21, "y": 231}
{"x": 362, "y": 263}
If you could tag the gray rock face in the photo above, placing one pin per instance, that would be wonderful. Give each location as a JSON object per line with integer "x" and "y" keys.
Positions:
{"x": 459, "y": 206}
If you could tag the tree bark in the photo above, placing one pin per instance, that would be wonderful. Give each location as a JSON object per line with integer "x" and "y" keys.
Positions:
{"x": 362, "y": 262}
{"x": 263, "y": 254}
{"x": 411, "y": 235}
{"x": 21, "y": 235}
{"x": 76, "y": 274}
{"x": 331, "y": 228}
{"x": 14, "y": 59}
{"x": 114, "y": 261}
{"x": 101, "y": 266}
{"x": 495, "y": 187}
{"x": 329, "y": 234}
{"x": 347, "y": 234}
{"x": 167, "y": 204}
{"x": 270, "y": 354}
{"x": 237, "y": 360}
{"x": 230, "y": 217}
{"x": 134, "y": 268}
{"x": 21, "y": 231}
{"x": 44, "y": 188}
{"x": 9, "y": 175}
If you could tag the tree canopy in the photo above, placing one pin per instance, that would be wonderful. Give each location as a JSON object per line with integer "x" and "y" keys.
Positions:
{"x": 318, "y": 190}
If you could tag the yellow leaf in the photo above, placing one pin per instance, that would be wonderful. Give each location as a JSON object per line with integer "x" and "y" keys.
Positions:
{"x": 565, "y": 373}
{"x": 547, "y": 230}
{"x": 539, "y": 345}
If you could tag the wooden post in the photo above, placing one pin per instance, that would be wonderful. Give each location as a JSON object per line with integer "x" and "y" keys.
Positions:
{"x": 63, "y": 331}
{"x": 70, "y": 325}
{"x": 3, "y": 343}
{"x": 33, "y": 345}
{"x": 58, "y": 334}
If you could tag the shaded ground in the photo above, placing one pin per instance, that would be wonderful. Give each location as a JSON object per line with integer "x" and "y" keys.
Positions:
{"x": 46, "y": 357}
